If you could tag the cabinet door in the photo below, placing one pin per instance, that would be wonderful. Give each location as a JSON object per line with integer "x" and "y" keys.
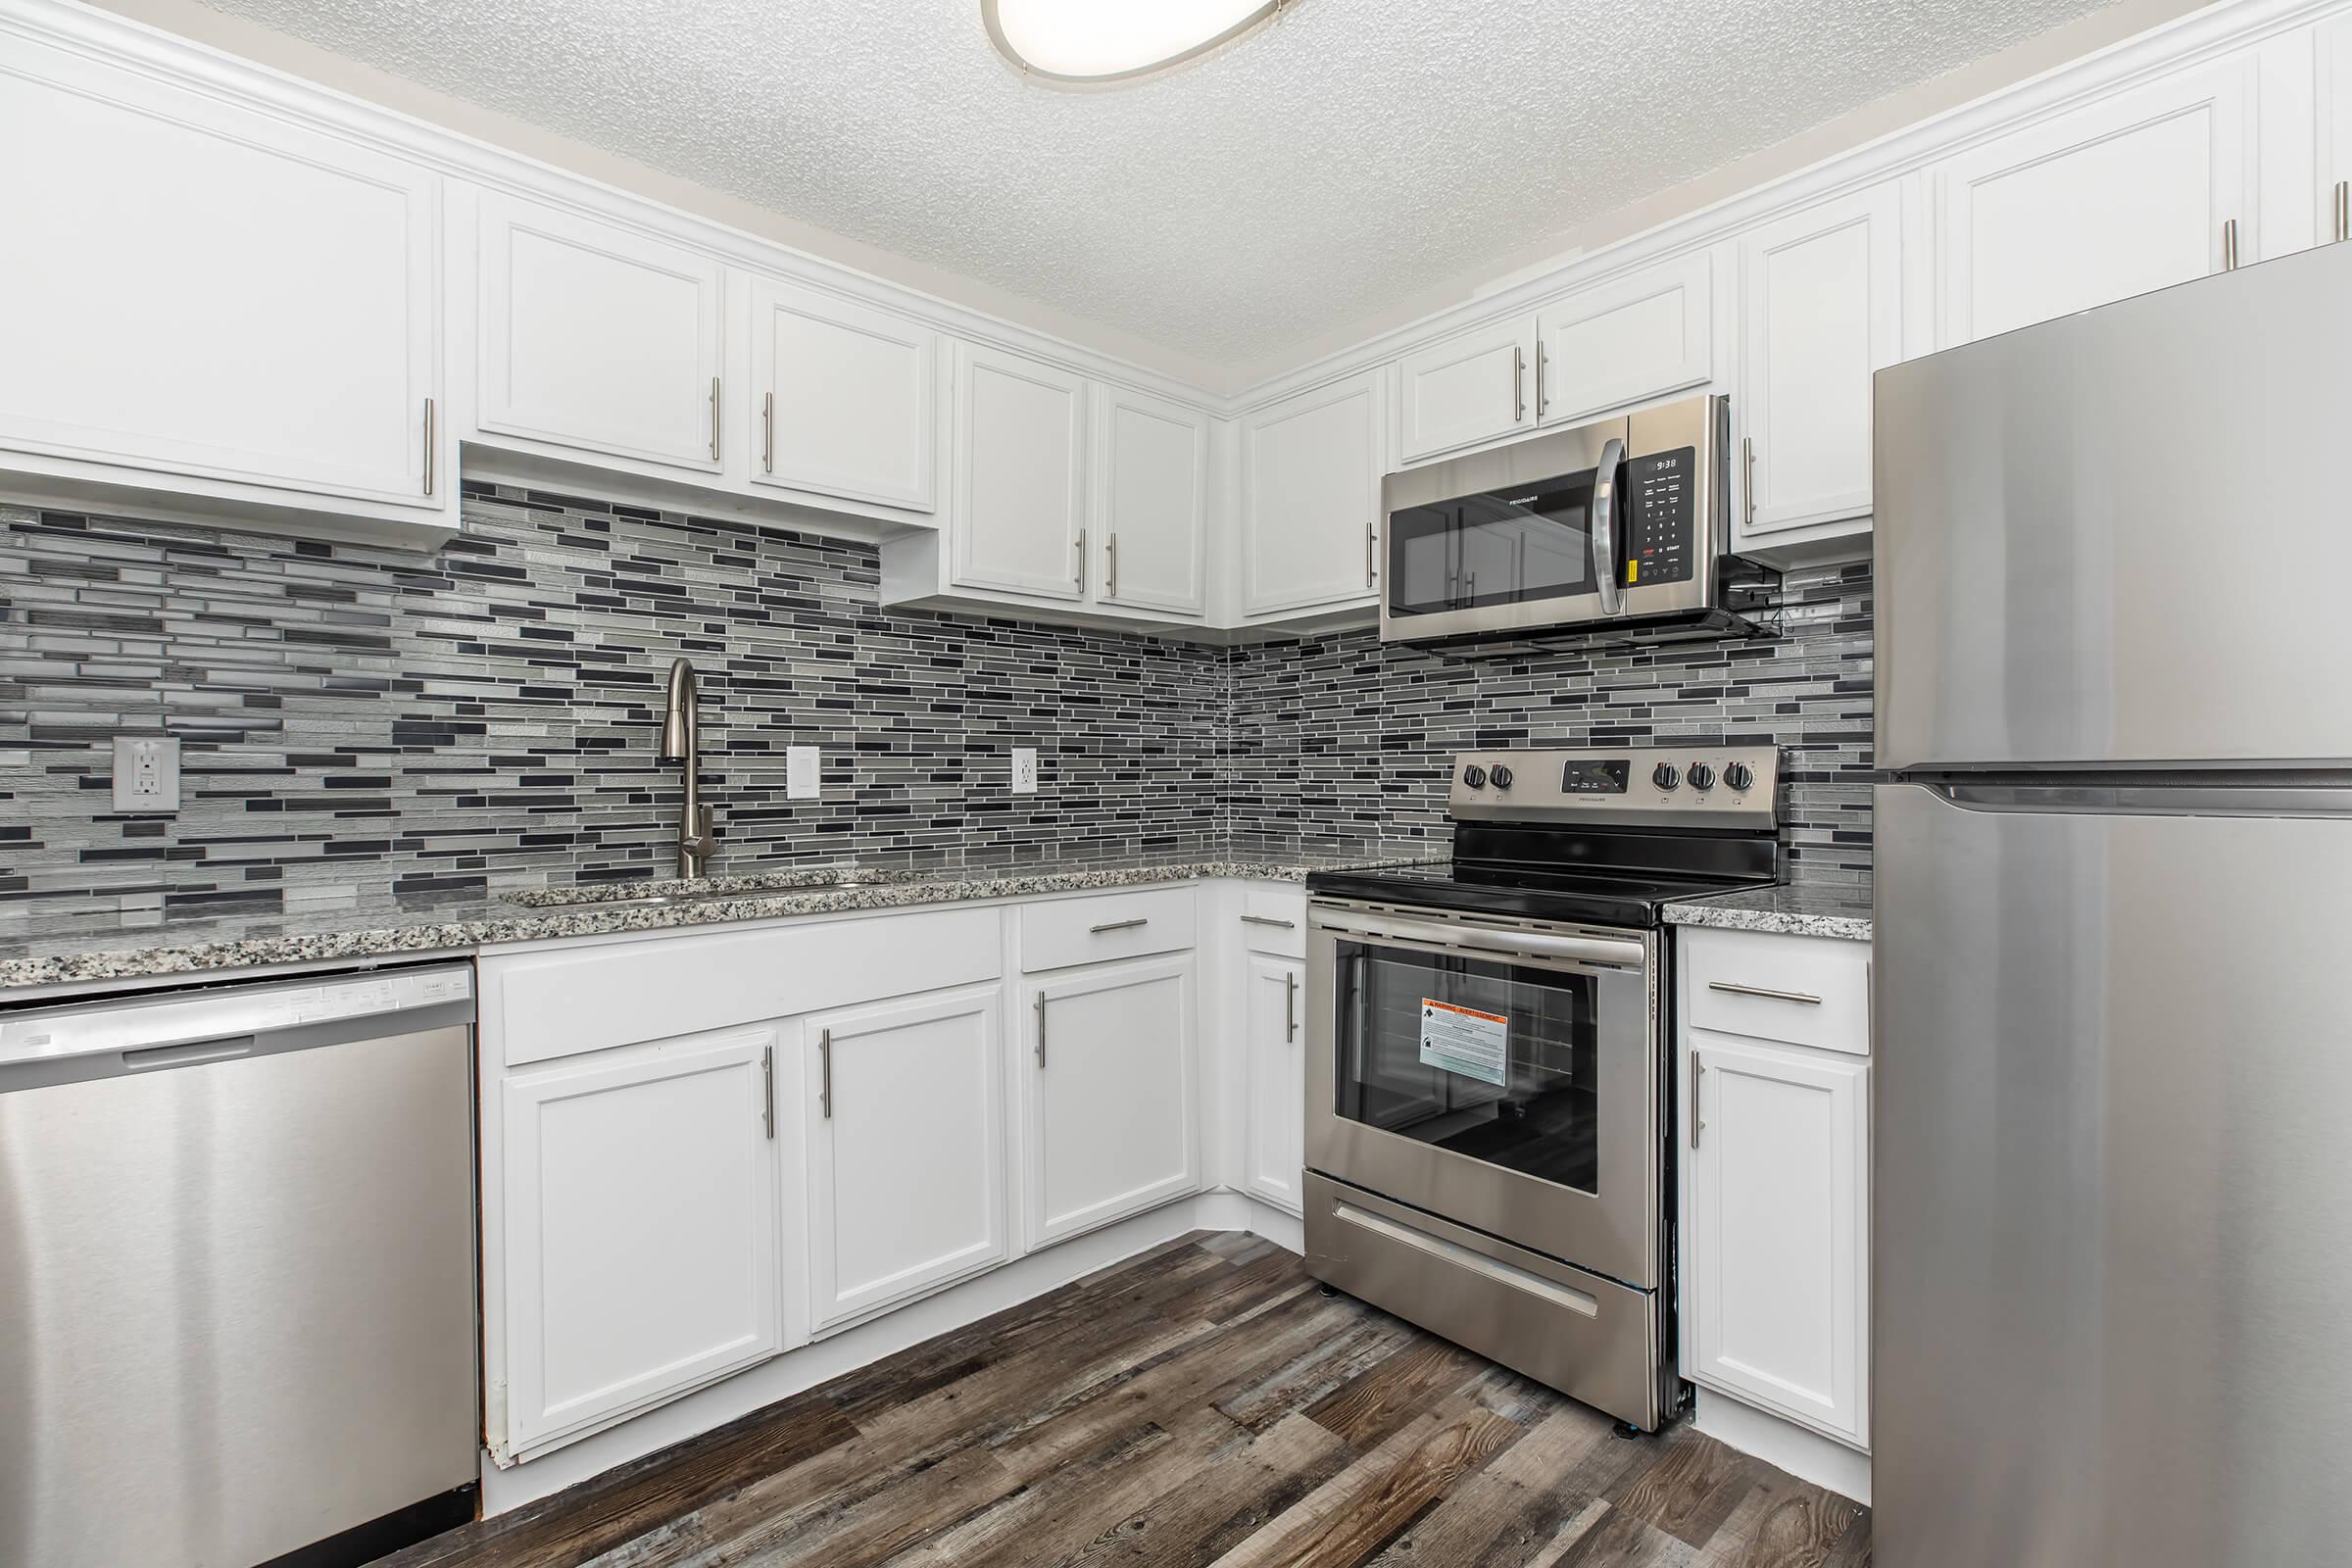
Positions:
{"x": 845, "y": 398}
{"x": 1823, "y": 313}
{"x": 1631, "y": 338}
{"x": 2124, "y": 195}
{"x": 1776, "y": 1161}
{"x": 641, "y": 1235}
{"x": 1021, "y": 498}
{"x": 214, "y": 291}
{"x": 598, "y": 337}
{"x": 1111, "y": 1117}
{"x": 1310, "y": 498}
{"x": 905, "y": 1148}
{"x": 1274, "y": 1032}
{"x": 1465, "y": 390}
{"x": 1152, "y": 501}
{"x": 2331, "y": 41}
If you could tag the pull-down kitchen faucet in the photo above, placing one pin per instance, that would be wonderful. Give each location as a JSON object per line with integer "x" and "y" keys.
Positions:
{"x": 697, "y": 842}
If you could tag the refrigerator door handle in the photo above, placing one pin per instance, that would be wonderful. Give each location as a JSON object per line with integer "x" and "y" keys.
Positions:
{"x": 2212, "y": 797}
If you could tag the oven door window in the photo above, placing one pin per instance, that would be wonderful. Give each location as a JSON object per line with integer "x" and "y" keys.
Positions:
{"x": 1505, "y": 547}
{"x": 1490, "y": 1060}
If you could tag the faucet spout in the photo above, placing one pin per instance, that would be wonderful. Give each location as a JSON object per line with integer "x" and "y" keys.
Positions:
{"x": 680, "y": 743}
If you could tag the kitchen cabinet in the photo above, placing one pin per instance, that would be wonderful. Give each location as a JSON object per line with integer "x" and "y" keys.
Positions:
{"x": 1468, "y": 389}
{"x": 595, "y": 337}
{"x": 639, "y": 1226}
{"x": 1111, "y": 1123}
{"x": 844, "y": 398}
{"x": 2131, "y": 193}
{"x": 2331, "y": 43}
{"x": 1627, "y": 340}
{"x": 905, "y": 1148}
{"x": 1274, "y": 1035}
{"x": 207, "y": 298}
{"x": 1821, "y": 311}
{"x": 1310, "y": 498}
{"x": 1151, "y": 501}
{"x": 1020, "y": 474}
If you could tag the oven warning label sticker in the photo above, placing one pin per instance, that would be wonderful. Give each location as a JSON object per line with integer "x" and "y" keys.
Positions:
{"x": 1462, "y": 1040}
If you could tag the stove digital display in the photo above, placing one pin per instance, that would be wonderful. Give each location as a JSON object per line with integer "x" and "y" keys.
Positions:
{"x": 1582, "y": 776}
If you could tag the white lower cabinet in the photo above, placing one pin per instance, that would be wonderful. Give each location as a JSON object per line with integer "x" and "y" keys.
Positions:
{"x": 1274, "y": 1035}
{"x": 640, "y": 1232}
{"x": 905, "y": 1147}
{"x": 1111, "y": 1122}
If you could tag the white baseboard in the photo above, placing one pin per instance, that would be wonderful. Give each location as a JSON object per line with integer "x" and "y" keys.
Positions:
{"x": 1803, "y": 1453}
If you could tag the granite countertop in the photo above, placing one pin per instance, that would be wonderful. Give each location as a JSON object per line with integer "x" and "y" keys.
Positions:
{"x": 74, "y": 948}
{"x": 1793, "y": 909}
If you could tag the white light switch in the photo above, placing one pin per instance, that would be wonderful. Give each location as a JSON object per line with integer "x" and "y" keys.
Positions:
{"x": 1024, "y": 770}
{"x": 800, "y": 773}
{"x": 146, "y": 773}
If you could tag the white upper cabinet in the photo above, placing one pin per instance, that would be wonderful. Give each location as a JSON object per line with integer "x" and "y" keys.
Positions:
{"x": 1020, "y": 476}
{"x": 905, "y": 1148}
{"x": 1151, "y": 502}
{"x": 1467, "y": 389}
{"x": 2331, "y": 43}
{"x": 1630, "y": 339}
{"x": 199, "y": 290}
{"x": 1310, "y": 498}
{"x": 596, "y": 336}
{"x": 1821, "y": 311}
{"x": 844, "y": 398}
{"x": 2135, "y": 191}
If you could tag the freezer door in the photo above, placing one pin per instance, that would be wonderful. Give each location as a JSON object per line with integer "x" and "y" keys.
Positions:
{"x": 2113, "y": 1062}
{"x": 2121, "y": 537}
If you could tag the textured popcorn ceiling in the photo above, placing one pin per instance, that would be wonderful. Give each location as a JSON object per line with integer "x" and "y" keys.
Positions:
{"x": 1340, "y": 162}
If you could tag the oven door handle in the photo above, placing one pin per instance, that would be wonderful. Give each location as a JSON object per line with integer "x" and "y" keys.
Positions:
{"x": 1604, "y": 522}
{"x": 1507, "y": 944}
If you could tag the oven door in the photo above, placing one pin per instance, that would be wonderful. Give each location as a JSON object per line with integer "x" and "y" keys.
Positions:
{"x": 1504, "y": 1075}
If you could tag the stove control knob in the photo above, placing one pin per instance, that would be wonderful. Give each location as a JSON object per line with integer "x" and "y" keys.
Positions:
{"x": 1702, "y": 778}
{"x": 1475, "y": 776}
{"x": 1501, "y": 776}
{"x": 1664, "y": 776}
{"x": 1739, "y": 776}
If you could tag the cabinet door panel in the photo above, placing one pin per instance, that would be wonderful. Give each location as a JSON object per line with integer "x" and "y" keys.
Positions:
{"x": 1274, "y": 1032}
{"x": 594, "y": 336}
{"x": 1465, "y": 390}
{"x": 2114, "y": 199}
{"x": 1628, "y": 339}
{"x": 1310, "y": 498}
{"x": 1823, "y": 312}
{"x": 1021, "y": 504}
{"x": 1776, "y": 1162}
{"x": 1112, "y": 1117}
{"x": 214, "y": 291}
{"x": 1152, "y": 502}
{"x": 905, "y": 1148}
{"x": 640, "y": 1228}
{"x": 847, "y": 398}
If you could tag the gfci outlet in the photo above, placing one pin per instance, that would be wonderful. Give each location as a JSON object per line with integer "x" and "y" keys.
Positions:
{"x": 146, "y": 773}
{"x": 1024, "y": 770}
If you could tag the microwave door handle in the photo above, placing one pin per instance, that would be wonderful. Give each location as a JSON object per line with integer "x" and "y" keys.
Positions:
{"x": 1604, "y": 522}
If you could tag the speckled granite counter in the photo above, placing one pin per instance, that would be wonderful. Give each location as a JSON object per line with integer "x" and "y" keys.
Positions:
{"x": 66, "y": 949}
{"x": 1793, "y": 909}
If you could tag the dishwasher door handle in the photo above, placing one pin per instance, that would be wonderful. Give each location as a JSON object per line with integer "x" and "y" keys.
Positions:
{"x": 189, "y": 1053}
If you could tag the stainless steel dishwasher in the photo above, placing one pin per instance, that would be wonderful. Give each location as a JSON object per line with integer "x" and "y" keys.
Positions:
{"x": 236, "y": 1272}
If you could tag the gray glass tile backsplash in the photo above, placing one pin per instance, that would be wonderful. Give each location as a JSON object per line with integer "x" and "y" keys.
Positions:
{"x": 357, "y": 719}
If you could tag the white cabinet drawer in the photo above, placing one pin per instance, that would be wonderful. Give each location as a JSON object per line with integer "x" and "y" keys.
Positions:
{"x": 1807, "y": 991}
{"x": 1117, "y": 925}
{"x": 1274, "y": 921}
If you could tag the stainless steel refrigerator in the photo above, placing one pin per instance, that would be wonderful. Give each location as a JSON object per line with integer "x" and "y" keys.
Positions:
{"x": 2113, "y": 1136}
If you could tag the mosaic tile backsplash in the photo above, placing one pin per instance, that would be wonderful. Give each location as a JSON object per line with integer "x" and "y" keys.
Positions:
{"x": 356, "y": 719}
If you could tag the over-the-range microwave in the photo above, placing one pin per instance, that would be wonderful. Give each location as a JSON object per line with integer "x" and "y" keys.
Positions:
{"x": 1619, "y": 529}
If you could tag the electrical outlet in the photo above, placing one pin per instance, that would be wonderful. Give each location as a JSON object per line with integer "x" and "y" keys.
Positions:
{"x": 1024, "y": 770}
{"x": 146, "y": 773}
{"x": 800, "y": 773}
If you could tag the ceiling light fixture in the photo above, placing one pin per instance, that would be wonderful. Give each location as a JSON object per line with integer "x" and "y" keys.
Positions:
{"x": 1088, "y": 42}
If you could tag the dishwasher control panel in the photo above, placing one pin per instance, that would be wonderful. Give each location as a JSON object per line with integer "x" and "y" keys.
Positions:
{"x": 231, "y": 1012}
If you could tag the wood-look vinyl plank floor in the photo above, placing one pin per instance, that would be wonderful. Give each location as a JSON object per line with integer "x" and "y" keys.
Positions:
{"x": 1201, "y": 1407}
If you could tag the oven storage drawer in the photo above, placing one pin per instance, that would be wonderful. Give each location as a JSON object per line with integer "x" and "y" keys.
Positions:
{"x": 1589, "y": 1337}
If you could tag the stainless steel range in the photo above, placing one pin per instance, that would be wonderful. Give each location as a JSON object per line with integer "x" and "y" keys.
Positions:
{"x": 1489, "y": 1103}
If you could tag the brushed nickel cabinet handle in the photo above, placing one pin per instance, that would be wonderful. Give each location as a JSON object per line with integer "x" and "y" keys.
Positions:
{"x": 1081, "y": 549}
{"x": 767, "y": 433}
{"x": 1697, "y": 1126}
{"x": 715, "y": 419}
{"x": 1759, "y": 991}
{"x": 1747, "y": 457}
{"x": 768, "y": 1089}
{"x": 1289, "y": 1007}
{"x": 1041, "y": 1028}
{"x": 428, "y": 446}
{"x": 2230, "y": 246}
{"x": 1543, "y": 397}
{"x": 2344, "y": 210}
{"x": 1369, "y": 543}
{"x": 1117, "y": 925}
{"x": 1267, "y": 919}
{"x": 1111, "y": 551}
{"x": 1518, "y": 385}
{"x": 824, "y": 1073}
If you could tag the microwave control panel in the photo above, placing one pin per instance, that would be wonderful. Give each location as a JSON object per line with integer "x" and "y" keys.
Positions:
{"x": 1661, "y": 514}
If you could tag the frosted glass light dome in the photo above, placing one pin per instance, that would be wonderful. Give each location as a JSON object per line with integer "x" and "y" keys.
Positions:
{"x": 1086, "y": 41}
